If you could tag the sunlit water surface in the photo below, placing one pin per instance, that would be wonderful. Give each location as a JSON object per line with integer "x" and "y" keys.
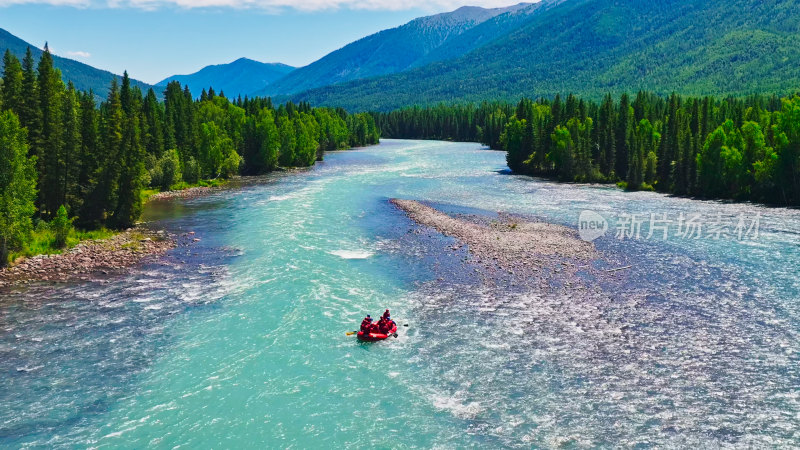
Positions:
{"x": 238, "y": 340}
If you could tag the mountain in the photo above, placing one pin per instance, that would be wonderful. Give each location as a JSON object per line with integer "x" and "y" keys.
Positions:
{"x": 498, "y": 26}
{"x": 243, "y": 76}
{"x": 83, "y": 76}
{"x": 389, "y": 51}
{"x": 590, "y": 47}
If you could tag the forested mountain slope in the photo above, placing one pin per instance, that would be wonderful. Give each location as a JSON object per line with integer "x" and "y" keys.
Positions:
{"x": 591, "y": 47}
{"x": 83, "y": 76}
{"x": 386, "y": 52}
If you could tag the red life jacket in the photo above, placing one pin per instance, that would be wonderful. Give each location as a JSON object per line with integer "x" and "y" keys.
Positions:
{"x": 365, "y": 325}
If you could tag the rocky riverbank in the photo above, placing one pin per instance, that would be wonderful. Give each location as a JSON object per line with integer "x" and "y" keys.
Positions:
{"x": 103, "y": 256}
{"x": 98, "y": 257}
{"x": 512, "y": 243}
{"x": 194, "y": 192}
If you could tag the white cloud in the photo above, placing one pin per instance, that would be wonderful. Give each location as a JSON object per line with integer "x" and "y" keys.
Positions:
{"x": 272, "y": 5}
{"x": 74, "y": 3}
{"x": 78, "y": 54}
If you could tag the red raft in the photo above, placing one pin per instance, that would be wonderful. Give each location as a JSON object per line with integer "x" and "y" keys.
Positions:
{"x": 372, "y": 337}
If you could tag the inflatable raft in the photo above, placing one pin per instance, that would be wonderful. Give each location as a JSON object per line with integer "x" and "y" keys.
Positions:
{"x": 372, "y": 337}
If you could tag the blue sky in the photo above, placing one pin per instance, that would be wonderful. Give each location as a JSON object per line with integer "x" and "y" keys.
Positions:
{"x": 153, "y": 39}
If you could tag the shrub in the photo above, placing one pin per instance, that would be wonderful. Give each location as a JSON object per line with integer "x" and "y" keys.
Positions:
{"x": 170, "y": 166}
{"x": 156, "y": 176}
{"x": 230, "y": 166}
{"x": 191, "y": 171}
{"x": 61, "y": 226}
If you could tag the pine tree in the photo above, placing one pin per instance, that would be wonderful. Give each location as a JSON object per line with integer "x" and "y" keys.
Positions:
{"x": 29, "y": 111}
{"x": 606, "y": 137}
{"x": 89, "y": 156}
{"x": 103, "y": 195}
{"x": 669, "y": 143}
{"x": 71, "y": 152}
{"x": 153, "y": 125}
{"x": 12, "y": 83}
{"x": 645, "y": 143}
{"x": 681, "y": 169}
{"x": 623, "y": 135}
{"x": 50, "y": 90}
{"x": 17, "y": 186}
{"x": 131, "y": 158}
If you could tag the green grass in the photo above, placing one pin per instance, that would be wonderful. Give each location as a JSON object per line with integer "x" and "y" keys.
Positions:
{"x": 202, "y": 183}
{"x": 43, "y": 241}
{"x": 147, "y": 193}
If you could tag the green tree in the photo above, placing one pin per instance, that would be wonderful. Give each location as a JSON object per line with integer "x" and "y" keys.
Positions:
{"x": 306, "y": 143}
{"x": 623, "y": 136}
{"x": 153, "y": 125}
{"x": 89, "y": 155}
{"x": 12, "y": 83}
{"x": 29, "y": 111}
{"x": 131, "y": 158}
{"x": 61, "y": 226}
{"x": 17, "y": 186}
{"x": 607, "y": 137}
{"x": 581, "y": 136}
{"x": 646, "y": 141}
{"x": 286, "y": 133}
{"x": 103, "y": 194}
{"x": 719, "y": 163}
{"x": 71, "y": 151}
{"x": 512, "y": 142}
{"x": 786, "y": 131}
{"x": 754, "y": 154}
{"x": 562, "y": 154}
{"x": 50, "y": 144}
{"x": 169, "y": 167}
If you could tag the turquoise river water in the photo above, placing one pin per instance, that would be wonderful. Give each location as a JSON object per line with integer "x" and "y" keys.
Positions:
{"x": 238, "y": 340}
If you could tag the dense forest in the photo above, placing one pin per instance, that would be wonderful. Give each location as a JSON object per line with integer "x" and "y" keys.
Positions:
{"x": 743, "y": 149}
{"x": 65, "y": 159}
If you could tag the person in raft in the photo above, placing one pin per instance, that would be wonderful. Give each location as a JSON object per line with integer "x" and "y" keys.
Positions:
{"x": 366, "y": 324}
{"x": 386, "y": 323}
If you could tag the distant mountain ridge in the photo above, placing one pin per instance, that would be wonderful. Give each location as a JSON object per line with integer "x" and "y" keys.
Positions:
{"x": 83, "y": 76}
{"x": 590, "y": 47}
{"x": 241, "y": 77}
{"x": 386, "y": 52}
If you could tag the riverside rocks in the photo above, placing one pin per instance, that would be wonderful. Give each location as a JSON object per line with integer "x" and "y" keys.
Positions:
{"x": 102, "y": 256}
{"x": 184, "y": 193}
{"x": 511, "y": 243}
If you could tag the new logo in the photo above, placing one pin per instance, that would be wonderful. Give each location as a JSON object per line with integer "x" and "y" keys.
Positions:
{"x": 591, "y": 225}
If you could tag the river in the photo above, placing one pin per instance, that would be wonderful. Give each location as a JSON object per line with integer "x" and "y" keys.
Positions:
{"x": 238, "y": 340}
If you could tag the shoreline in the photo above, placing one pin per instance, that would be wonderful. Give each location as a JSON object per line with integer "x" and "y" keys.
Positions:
{"x": 91, "y": 257}
{"x": 94, "y": 257}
